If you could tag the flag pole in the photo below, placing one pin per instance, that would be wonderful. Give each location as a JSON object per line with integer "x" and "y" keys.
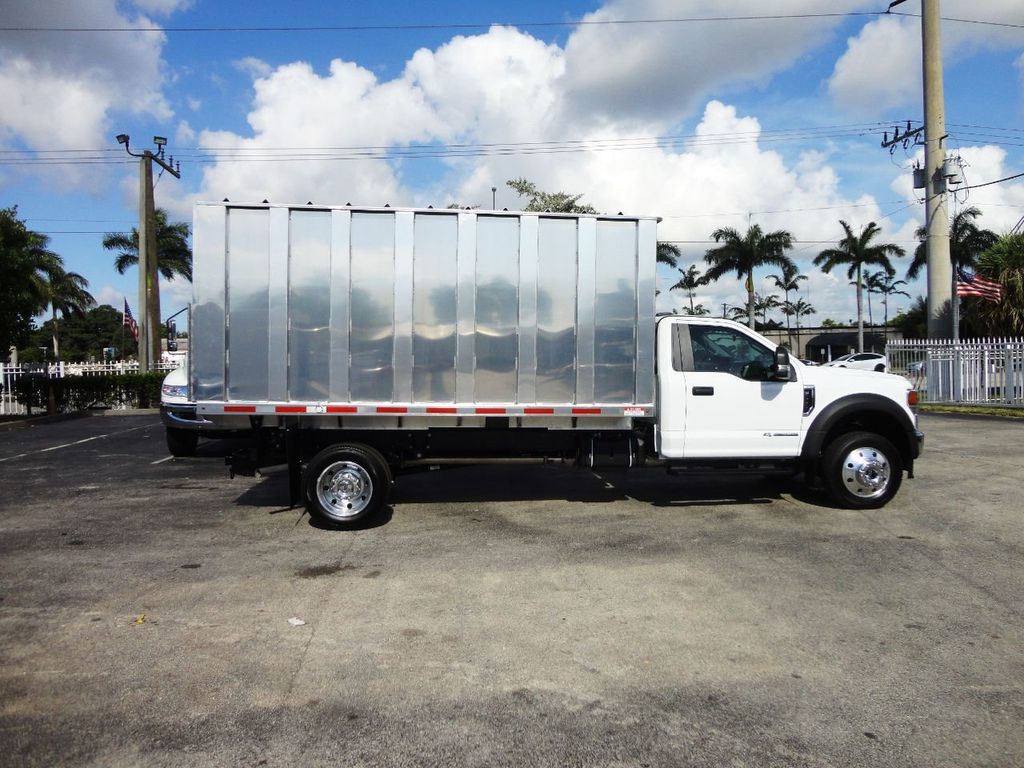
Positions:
{"x": 955, "y": 302}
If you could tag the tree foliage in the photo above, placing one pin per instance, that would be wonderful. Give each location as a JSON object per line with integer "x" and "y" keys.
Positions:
{"x": 84, "y": 337}
{"x": 32, "y": 277}
{"x": 967, "y": 242}
{"x": 555, "y": 202}
{"x": 173, "y": 255}
{"x": 1004, "y": 263}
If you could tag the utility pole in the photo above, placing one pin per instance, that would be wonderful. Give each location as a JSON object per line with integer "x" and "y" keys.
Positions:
{"x": 940, "y": 268}
{"x": 149, "y": 287}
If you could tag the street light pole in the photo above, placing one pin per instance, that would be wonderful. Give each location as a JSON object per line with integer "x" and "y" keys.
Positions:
{"x": 149, "y": 287}
{"x": 146, "y": 255}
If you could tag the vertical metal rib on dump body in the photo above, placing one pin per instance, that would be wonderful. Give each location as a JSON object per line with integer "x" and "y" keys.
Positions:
{"x": 248, "y": 303}
{"x": 340, "y": 288}
{"x": 587, "y": 249}
{"x": 526, "y": 389}
{"x": 404, "y": 233}
{"x": 371, "y": 375}
{"x": 277, "y": 306}
{"x": 309, "y": 301}
{"x": 434, "y": 307}
{"x": 206, "y": 328}
{"x": 556, "y": 310}
{"x": 465, "y": 331}
{"x": 647, "y": 244}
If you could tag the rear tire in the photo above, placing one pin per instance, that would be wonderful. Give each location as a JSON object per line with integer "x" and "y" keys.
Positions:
{"x": 880, "y": 368}
{"x": 345, "y": 484}
{"x": 862, "y": 470}
{"x": 182, "y": 442}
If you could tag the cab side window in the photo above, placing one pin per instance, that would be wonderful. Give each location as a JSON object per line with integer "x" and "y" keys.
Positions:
{"x": 724, "y": 350}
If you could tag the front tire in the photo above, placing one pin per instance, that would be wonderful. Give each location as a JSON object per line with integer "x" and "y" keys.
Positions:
{"x": 182, "y": 442}
{"x": 345, "y": 484}
{"x": 862, "y": 470}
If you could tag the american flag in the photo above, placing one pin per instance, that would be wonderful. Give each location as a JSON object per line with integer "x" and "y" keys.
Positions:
{"x": 975, "y": 285}
{"x": 130, "y": 321}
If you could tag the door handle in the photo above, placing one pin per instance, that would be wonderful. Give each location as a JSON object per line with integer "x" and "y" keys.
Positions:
{"x": 703, "y": 391}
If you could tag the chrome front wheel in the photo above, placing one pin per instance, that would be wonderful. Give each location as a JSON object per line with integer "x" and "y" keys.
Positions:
{"x": 862, "y": 470}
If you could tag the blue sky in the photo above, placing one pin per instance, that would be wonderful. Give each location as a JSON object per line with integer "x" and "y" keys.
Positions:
{"x": 788, "y": 114}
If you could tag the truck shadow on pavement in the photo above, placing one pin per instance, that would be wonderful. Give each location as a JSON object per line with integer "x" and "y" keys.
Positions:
{"x": 497, "y": 484}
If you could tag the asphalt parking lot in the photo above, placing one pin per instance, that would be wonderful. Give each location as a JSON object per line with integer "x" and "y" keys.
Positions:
{"x": 507, "y": 616}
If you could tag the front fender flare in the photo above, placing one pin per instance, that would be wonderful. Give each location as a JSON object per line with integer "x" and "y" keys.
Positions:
{"x": 864, "y": 404}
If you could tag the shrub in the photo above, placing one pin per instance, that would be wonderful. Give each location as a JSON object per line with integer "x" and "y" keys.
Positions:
{"x": 76, "y": 393}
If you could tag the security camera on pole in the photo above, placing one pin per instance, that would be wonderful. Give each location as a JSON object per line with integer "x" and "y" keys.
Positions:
{"x": 149, "y": 290}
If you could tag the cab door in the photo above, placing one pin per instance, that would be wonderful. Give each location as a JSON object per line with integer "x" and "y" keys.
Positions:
{"x": 718, "y": 399}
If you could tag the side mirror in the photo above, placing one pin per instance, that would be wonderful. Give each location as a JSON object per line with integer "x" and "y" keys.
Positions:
{"x": 781, "y": 370}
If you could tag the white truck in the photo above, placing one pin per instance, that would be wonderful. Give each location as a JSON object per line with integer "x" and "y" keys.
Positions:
{"x": 357, "y": 343}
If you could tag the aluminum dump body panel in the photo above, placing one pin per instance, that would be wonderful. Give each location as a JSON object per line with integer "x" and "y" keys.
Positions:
{"x": 340, "y": 305}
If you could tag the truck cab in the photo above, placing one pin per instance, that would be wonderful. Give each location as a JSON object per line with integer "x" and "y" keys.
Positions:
{"x": 727, "y": 393}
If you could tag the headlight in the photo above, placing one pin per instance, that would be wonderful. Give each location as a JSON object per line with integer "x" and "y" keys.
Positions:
{"x": 170, "y": 390}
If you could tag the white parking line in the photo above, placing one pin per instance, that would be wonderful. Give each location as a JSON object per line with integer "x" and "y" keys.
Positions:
{"x": 77, "y": 442}
{"x": 161, "y": 461}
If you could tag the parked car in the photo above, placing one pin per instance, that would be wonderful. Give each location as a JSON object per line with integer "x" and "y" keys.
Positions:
{"x": 864, "y": 361}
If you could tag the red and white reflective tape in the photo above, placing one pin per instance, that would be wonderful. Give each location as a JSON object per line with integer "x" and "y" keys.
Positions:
{"x": 328, "y": 409}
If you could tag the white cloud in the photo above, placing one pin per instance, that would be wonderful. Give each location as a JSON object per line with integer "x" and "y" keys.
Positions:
{"x": 59, "y": 90}
{"x": 253, "y": 66}
{"x": 881, "y": 68}
{"x": 184, "y": 134}
{"x": 660, "y": 72}
{"x": 162, "y": 7}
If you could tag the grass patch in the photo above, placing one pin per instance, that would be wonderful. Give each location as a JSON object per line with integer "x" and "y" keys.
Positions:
{"x": 972, "y": 410}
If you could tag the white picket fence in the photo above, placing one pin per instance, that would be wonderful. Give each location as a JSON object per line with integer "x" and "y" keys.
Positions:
{"x": 9, "y": 405}
{"x": 971, "y": 372}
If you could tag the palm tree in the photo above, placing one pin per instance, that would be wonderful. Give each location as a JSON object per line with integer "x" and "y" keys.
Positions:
{"x": 173, "y": 257}
{"x": 858, "y": 252}
{"x": 67, "y": 294}
{"x": 743, "y": 253}
{"x": 690, "y": 281}
{"x": 882, "y": 283}
{"x": 797, "y": 309}
{"x": 788, "y": 281}
{"x": 966, "y": 243}
{"x": 763, "y": 304}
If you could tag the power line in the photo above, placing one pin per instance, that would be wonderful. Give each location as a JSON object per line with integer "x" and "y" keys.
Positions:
{"x": 997, "y": 181}
{"x": 420, "y": 151}
{"x": 487, "y": 25}
{"x": 450, "y": 26}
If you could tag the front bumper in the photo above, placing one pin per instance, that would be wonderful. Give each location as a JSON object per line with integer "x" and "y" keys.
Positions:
{"x": 183, "y": 416}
